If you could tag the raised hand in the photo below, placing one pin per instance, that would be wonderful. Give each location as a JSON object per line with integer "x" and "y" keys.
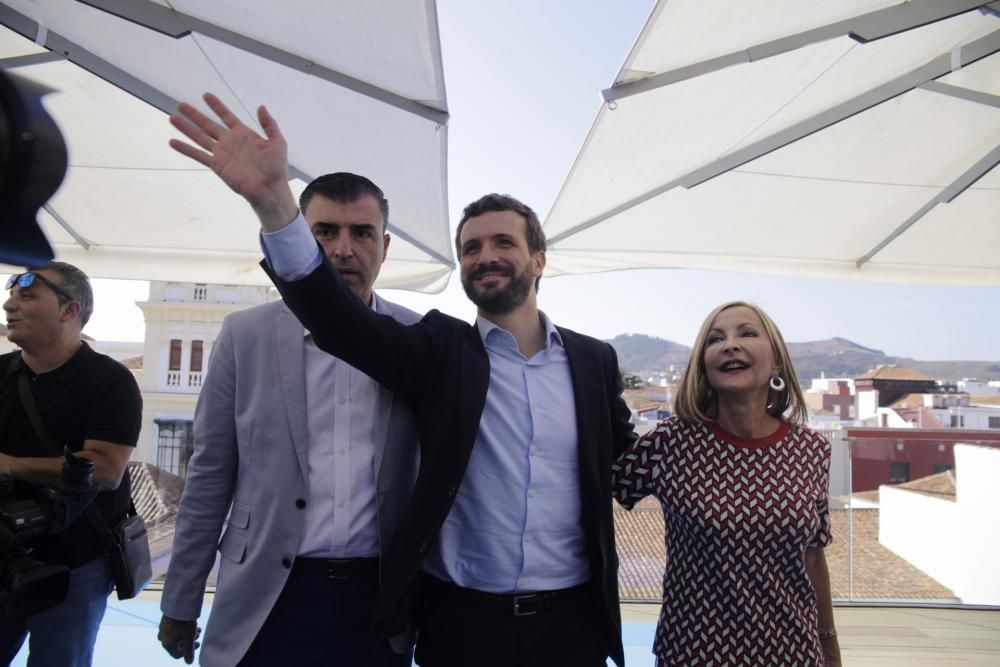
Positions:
{"x": 254, "y": 167}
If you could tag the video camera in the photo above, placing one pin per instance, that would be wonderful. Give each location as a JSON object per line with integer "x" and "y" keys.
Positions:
{"x": 29, "y": 586}
{"x": 32, "y": 165}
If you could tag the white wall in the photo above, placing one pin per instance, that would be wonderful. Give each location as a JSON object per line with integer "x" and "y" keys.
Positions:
{"x": 956, "y": 543}
{"x": 971, "y": 417}
{"x": 921, "y": 530}
{"x": 867, "y": 402}
{"x": 978, "y": 469}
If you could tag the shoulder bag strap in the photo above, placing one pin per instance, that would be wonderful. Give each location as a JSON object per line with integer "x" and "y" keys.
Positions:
{"x": 97, "y": 519}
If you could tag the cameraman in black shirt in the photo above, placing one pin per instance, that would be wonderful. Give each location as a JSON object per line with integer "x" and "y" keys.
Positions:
{"x": 89, "y": 403}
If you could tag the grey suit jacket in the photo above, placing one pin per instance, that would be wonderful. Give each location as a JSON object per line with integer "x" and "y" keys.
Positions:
{"x": 250, "y": 465}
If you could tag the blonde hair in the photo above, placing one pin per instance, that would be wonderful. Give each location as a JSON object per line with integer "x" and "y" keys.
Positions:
{"x": 697, "y": 401}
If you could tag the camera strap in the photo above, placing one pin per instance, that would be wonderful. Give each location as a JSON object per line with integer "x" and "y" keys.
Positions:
{"x": 28, "y": 401}
{"x": 97, "y": 519}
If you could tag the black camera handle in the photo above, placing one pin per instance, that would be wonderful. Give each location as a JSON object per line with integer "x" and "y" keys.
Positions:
{"x": 97, "y": 519}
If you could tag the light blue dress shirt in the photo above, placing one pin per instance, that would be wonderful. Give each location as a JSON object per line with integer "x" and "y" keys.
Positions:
{"x": 515, "y": 525}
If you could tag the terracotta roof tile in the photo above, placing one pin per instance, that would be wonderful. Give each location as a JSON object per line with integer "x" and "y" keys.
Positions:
{"x": 920, "y": 415}
{"x": 893, "y": 373}
{"x": 985, "y": 399}
{"x": 941, "y": 485}
{"x": 878, "y": 572}
{"x": 134, "y": 363}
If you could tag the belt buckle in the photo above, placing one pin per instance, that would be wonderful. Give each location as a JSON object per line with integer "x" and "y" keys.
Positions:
{"x": 332, "y": 566}
{"x": 517, "y": 605}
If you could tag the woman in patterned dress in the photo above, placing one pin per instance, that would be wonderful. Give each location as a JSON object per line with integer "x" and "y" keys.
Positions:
{"x": 743, "y": 485}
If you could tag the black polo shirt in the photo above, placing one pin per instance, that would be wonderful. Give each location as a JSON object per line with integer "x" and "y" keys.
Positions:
{"x": 90, "y": 397}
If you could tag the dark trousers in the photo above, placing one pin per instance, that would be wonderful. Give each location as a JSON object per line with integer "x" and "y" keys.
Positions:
{"x": 459, "y": 627}
{"x": 321, "y": 621}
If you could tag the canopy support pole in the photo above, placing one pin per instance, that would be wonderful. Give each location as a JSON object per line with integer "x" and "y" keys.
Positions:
{"x": 865, "y": 28}
{"x": 957, "y": 187}
{"x": 940, "y": 66}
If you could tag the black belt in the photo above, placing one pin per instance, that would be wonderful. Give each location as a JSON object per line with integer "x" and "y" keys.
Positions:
{"x": 508, "y": 604}
{"x": 336, "y": 568}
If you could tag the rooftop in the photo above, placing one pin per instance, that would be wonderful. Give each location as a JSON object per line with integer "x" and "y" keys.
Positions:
{"x": 894, "y": 373}
{"x": 879, "y": 574}
{"x": 941, "y": 485}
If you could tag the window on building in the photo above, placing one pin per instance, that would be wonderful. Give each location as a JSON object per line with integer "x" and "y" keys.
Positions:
{"x": 175, "y": 355}
{"x": 196, "y": 353}
{"x": 899, "y": 473}
{"x": 941, "y": 467}
{"x": 174, "y": 445}
{"x": 958, "y": 421}
{"x": 994, "y": 422}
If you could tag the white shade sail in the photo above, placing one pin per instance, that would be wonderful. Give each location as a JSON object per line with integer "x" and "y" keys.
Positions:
{"x": 856, "y": 139}
{"x": 355, "y": 85}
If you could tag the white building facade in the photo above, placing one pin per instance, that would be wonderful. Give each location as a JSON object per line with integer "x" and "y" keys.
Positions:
{"x": 182, "y": 323}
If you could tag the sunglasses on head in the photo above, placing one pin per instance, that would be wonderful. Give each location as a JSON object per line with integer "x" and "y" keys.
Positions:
{"x": 28, "y": 279}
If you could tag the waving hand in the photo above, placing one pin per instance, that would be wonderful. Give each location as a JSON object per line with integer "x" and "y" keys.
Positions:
{"x": 254, "y": 167}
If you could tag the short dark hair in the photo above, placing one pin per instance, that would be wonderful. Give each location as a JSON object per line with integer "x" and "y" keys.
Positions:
{"x": 345, "y": 188}
{"x": 75, "y": 283}
{"x": 497, "y": 202}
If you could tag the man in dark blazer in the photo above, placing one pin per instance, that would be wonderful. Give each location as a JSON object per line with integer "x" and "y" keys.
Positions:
{"x": 510, "y": 518}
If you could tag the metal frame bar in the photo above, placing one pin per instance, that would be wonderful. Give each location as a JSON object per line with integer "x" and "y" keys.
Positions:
{"x": 175, "y": 24}
{"x": 30, "y": 59}
{"x": 940, "y": 66}
{"x": 82, "y": 242}
{"x": 955, "y": 188}
{"x": 967, "y": 94}
{"x": 864, "y": 28}
{"x": 64, "y": 49}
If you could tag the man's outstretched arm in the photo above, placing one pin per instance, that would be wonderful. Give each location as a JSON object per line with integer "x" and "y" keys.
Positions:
{"x": 254, "y": 167}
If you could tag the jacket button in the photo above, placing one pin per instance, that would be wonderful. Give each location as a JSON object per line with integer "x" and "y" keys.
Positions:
{"x": 286, "y": 562}
{"x": 423, "y": 547}
{"x": 300, "y": 503}
{"x": 452, "y": 491}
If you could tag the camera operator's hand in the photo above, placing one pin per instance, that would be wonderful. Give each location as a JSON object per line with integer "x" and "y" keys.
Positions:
{"x": 179, "y": 638}
{"x": 254, "y": 167}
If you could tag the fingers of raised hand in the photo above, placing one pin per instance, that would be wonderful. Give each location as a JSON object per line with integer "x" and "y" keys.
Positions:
{"x": 196, "y": 126}
{"x": 222, "y": 111}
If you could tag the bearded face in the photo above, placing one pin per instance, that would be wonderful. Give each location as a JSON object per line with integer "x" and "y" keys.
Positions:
{"x": 497, "y": 288}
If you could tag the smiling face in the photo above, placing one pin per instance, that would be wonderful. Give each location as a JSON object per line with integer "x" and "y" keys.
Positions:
{"x": 498, "y": 270}
{"x": 36, "y": 315}
{"x": 353, "y": 238}
{"x": 738, "y": 355}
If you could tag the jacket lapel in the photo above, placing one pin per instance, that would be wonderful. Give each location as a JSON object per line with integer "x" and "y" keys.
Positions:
{"x": 290, "y": 351}
{"x": 475, "y": 374}
{"x": 383, "y": 408}
{"x": 585, "y": 378}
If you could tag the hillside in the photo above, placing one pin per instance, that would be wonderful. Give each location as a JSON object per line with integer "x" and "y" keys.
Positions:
{"x": 835, "y": 357}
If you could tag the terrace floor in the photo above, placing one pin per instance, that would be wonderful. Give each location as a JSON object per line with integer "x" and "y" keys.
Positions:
{"x": 869, "y": 636}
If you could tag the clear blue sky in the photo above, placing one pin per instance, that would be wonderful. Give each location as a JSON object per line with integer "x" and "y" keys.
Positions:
{"x": 523, "y": 81}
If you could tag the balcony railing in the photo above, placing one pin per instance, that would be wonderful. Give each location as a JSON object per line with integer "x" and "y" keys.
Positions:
{"x": 928, "y": 540}
{"x": 925, "y": 540}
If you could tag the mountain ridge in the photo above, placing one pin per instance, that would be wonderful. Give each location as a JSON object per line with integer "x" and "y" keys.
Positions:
{"x": 833, "y": 357}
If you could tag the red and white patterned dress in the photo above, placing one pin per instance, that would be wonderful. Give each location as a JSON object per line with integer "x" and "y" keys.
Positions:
{"x": 739, "y": 516}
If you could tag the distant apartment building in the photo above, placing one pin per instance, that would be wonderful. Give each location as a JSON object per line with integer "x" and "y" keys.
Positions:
{"x": 898, "y": 455}
{"x": 832, "y": 397}
{"x": 976, "y": 387}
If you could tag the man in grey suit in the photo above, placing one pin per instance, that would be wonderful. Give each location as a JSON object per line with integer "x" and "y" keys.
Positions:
{"x": 311, "y": 460}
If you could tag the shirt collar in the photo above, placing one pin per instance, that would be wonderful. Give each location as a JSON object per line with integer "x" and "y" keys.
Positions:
{"x": 68, "y": 370}
{"x": 552, "y": 335}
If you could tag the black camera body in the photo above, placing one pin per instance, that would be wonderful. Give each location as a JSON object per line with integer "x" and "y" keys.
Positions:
{"x": 27, "y": 585}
